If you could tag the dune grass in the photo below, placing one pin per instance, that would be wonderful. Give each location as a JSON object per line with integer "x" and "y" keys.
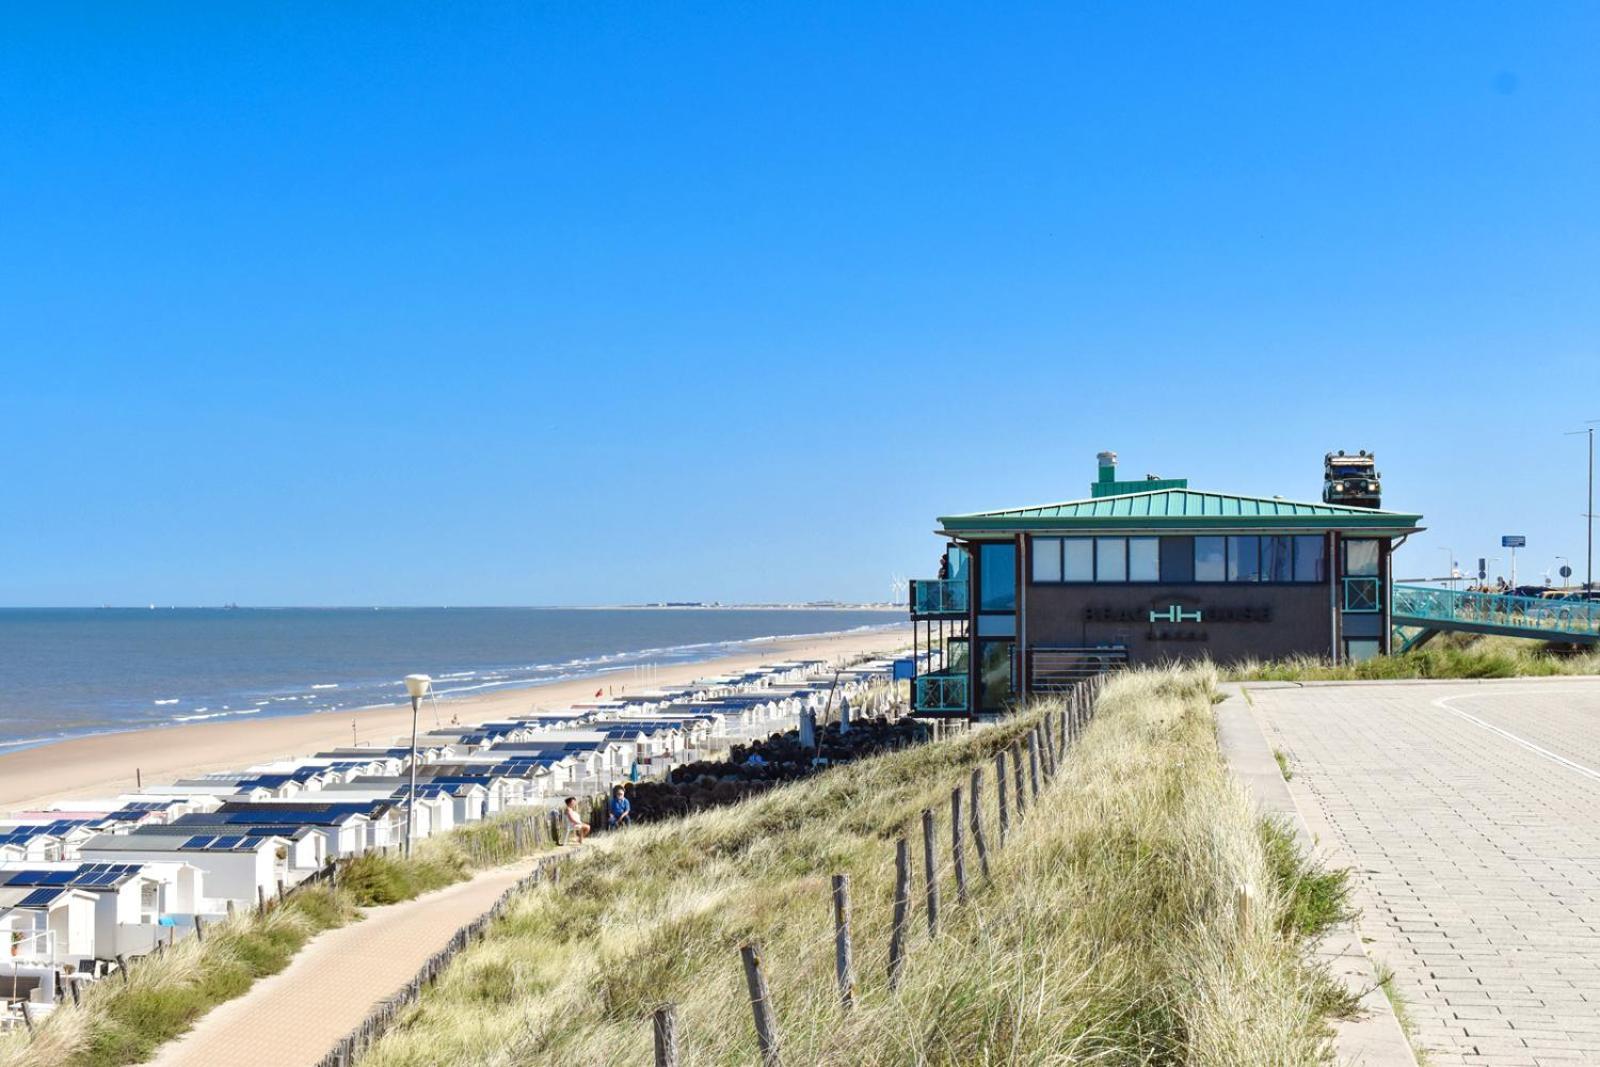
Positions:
{"x": 119, "y": 1023}
{"x": 1109, "y": 931}
{"x": 1447, "y": 656}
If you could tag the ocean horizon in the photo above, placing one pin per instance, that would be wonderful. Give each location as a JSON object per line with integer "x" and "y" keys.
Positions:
{"x": 72, "y": 672}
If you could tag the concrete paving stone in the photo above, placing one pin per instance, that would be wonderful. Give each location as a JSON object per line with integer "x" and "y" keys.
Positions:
{"x": 1476, "y": 858}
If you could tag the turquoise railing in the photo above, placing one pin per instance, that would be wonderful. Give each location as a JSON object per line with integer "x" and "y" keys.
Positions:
{"x": 935, "y": 596}
{"x": 1535, "y": 616}
{"x": 940, "y": 692}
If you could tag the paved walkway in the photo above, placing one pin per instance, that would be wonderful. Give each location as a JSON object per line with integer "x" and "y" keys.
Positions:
{"x": 1471, "y": 813}
{"x": 295, "y": 1016}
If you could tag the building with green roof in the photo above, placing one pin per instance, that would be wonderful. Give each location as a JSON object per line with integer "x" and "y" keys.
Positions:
{"x": 1030, "y": 599}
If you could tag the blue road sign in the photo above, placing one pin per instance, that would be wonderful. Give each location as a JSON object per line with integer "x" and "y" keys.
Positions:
{"x": 1483, "y": 567}
{"x": 1513, "y": 541}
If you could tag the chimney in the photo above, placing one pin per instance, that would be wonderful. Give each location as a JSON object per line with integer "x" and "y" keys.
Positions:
{"x": 1108, "y": 467}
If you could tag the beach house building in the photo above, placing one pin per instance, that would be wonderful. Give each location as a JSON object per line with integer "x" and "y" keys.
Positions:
{"x": 46, "y": 925}
{"x": 1030, "y": 599}
{"x": 130, "y": 899}
{"x": 234, "y": 866}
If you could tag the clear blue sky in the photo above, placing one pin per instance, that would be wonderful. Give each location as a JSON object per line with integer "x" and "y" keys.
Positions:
{"x": 596, "y": 302}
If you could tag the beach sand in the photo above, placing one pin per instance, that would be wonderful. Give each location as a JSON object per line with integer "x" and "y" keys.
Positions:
{"x": 104, "y": 765}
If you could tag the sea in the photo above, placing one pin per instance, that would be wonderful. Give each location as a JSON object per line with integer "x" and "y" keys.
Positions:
{"x": 67, "y": 672}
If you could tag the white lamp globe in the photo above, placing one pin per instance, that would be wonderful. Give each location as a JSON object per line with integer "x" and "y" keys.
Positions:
{"x": 418, "y": 684}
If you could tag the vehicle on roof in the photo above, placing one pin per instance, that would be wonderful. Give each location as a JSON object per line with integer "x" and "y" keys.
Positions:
{"x": 1351, "y": 479}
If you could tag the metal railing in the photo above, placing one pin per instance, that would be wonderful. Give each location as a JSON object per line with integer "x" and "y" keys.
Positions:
{"x": 940, "y": 691}
{"x": 939, "y": 596}
{"x": 1535, "y": 616}
{"x": 1057, "y": 670}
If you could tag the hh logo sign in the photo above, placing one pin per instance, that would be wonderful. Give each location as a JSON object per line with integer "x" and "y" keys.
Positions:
{"x": 1175, "y": 613}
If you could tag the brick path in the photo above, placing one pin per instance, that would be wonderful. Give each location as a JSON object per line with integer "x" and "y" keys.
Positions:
{"x": 295, "y": 1016}
{"x": 1471, "y": 813}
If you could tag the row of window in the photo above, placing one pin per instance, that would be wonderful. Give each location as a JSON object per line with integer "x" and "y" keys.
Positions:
{"x": 1249, "y": 558}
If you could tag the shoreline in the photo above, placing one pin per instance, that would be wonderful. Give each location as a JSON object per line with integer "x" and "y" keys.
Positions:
{"x": 36, "y": 715}
{"x": 105, "y": 764}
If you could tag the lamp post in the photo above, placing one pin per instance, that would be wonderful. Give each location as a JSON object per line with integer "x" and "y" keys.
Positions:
{"x": 1450, "y": 565}
{"x": 1588, "y": 512}
{"x": 417, "y": 685}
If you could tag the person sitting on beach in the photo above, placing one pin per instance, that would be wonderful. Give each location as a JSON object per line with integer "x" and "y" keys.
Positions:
{"x": 575, "y": 823}
{"x": 620, "y": 811}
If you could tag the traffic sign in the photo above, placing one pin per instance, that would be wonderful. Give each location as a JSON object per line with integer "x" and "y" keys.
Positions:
{"x": 1513, "y": 541}
{"x": 1483, "y": 568}
{"x": 1566, "y": 571}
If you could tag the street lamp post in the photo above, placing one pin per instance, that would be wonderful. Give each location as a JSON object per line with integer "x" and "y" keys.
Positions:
{"x": 417, "y": 685}
{"x": 1450, "y": 566}
{"x": 1588, "y": 512}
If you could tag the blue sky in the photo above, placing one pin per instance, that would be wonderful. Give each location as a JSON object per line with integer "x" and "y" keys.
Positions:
{"x": 580, "y": 303}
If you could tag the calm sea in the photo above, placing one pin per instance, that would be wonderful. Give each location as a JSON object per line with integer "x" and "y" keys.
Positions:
{"x": 69, "y": 671}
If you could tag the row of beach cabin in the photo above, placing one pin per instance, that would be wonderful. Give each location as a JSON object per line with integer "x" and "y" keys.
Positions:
{"x": 87, "y": 882}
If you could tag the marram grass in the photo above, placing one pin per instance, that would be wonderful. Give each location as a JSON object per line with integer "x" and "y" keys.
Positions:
{"x": 1447, "y": 656}
{"x": 1108, "y": 934}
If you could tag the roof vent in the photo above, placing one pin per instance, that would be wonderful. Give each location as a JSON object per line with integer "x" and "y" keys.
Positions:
{"x": 1108, "y": 466}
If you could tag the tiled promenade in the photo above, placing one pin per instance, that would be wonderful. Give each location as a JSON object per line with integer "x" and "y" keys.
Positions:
{"x": 1471, "y": 813}
{"x": 295, "y": 1016}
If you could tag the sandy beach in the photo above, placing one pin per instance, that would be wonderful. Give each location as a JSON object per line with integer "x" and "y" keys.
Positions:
{"x": 105, "y": 765}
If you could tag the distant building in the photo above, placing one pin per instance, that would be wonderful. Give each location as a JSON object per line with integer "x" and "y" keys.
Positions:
{"x": 1143, "y": 572}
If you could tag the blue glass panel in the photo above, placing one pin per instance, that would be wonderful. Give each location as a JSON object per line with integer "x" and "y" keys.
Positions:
{"x": 1244, "y": 559}
{"x": 1210, "y": 559}
{"x": 998, "y": 575}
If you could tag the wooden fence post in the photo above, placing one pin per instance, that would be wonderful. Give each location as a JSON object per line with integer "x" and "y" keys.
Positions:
{"x": 930, "y": 871}
{"x": 957, "y": 851}
{"x": 1033, "y": 762}
{"x": 199, "y": 929}
{"x": 665, "y": 1028}
{"x": 261, "y": 898}
{"x": 975, "y": 806}
{"x": 844, "y": 966}
{"x": 902, "y": 904}
{"x": 122, "y": 965}
{"x": 1049, "y": 746}
{"x": 1000, "y": 792}
{"x": 1016, "y": 773}
{"x": 1244, "y": 908}
{"x": 761, "y": 1004}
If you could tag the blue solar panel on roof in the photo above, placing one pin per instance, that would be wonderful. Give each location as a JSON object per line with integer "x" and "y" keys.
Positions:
{"x": 39, "y": 898}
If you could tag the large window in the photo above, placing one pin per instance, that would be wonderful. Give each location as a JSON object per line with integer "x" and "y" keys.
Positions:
{"x": 1244, "y": 559}
{"x": 1077, "y": 559}
{"x": 1110, "y": 559}
{"x": 997, "y": 577}
{"x": 1360, "y": 558}
{"x": 1310, "y": 559}
{"x": 1277, "y": 559}
{"x": 1046, "y": 559}
{"x": 1180, "y": 560}
{"x": 995, "y": 675}
{"x": 1144, "y": 559}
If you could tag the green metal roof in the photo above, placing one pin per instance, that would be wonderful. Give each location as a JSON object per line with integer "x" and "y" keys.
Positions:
{"x": 1180, "y": 509}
